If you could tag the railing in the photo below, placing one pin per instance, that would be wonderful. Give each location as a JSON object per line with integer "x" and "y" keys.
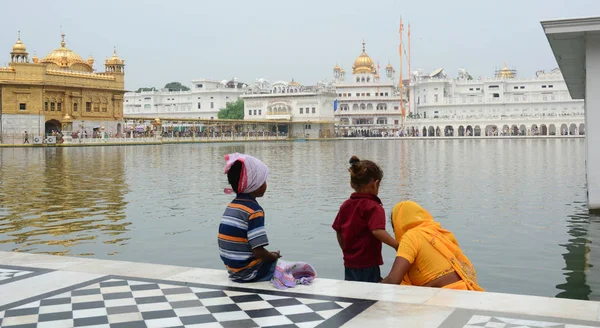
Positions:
{"x": 19, "y": 139}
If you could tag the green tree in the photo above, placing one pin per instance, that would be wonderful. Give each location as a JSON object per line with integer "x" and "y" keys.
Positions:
{"x": 176, "y": 86}
{"x": 146, "y": 89}
{"x": 233, "y": 111}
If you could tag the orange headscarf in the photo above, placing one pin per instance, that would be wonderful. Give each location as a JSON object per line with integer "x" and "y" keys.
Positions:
{"x": 409, "y": 215}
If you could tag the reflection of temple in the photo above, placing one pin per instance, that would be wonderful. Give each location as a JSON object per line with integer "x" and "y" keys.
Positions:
{"x": 581, "y": 259}
{"x": 61, "y": 205}
{"x": 60, "y": 92}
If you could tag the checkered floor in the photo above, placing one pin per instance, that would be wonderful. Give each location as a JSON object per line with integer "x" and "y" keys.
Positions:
{"x": 6, "y": 274}
{"x": 478, "y": 321}
{"x": 130, "y": 303}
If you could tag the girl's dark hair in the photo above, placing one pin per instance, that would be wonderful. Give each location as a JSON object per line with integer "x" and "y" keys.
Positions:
{"x": 233, "y": 175}
{"x": 362, "y": 172}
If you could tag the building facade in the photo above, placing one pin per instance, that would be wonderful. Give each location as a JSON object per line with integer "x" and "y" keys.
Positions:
{"x": 502, "y": 105}
{"x": 308, "y": 109}
{"x": 59, "y": 93}
{"x": 366, "y": 103}
{"x": 204, "y": 100}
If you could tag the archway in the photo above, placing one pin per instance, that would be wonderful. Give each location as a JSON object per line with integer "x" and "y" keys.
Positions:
{"x": 564, "y": 130}
{"x": 438, "y": 132}
{"x": 505, "y": 130}
{"x": 514, "y": 130}
{"x": 581, "y": 129}
{"x": 552, "y": 130}
{"x": 469, "y": 131}
{"x": 573, "y": 129}
{"x": 534, "y": 130}
{"x": 477, "y": 131}
{"x": 491, "y": 130}
{"x": 52, "y": 126}
{"x": 522, "y": 130}
{"x": 424, "y": 132}
{"x": 431, "y": 132}
{"x": 461, "y": 131}
{"x": 119, "y": 127}
{"x": 449, "y": 131}
{"x": 543, "y": 130}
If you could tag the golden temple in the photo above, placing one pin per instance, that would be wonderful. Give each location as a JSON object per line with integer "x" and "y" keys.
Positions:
{"x": 61, "y": 92}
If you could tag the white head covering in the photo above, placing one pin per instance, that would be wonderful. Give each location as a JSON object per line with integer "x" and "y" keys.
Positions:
{"x": 254, "y": 172}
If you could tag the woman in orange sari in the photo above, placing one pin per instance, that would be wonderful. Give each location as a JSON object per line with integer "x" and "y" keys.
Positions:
{"x": 428, "y": 254}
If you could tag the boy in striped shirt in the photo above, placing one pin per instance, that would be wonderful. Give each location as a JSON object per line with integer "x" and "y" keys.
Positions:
{"x": 242, "y": 236}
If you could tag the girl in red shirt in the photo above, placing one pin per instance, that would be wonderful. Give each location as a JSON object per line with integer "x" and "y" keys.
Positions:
{"x": 360, "y": 224}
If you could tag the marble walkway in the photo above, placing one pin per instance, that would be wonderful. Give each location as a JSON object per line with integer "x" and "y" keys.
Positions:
{"x": 53, "y": 291}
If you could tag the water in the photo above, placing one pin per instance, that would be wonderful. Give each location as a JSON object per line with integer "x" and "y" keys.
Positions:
{"x": 516, "y": 206}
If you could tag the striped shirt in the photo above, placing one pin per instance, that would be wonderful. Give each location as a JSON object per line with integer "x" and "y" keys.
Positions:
{"x": 242, "y": 229}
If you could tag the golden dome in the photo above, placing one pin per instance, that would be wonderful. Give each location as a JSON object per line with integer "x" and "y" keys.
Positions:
{"x": 389, "y": 66}
{"x": 19, "y": 47}
{"x": 342, "y": 71}
{"x": 90, "y": 60}
{"x": 336, "y": 68}
{"x": 67, "y": 118}
{"x": 115, "y": 60}
{"x": 294, "y": 83}
{"x": 506, "y": 73}
{"x": 363, "y": 64}
{"x": 35, "y": 58}
{"x": 65, "y": 58}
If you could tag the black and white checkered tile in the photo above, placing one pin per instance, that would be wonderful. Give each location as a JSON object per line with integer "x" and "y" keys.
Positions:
{"x": 134, "y": 303}
{"x": 10, "y": 273}
{"x": 6, "y": 274}
{"x": 478, "y": 321}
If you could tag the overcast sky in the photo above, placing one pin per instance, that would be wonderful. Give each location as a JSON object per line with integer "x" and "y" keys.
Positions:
{"x": 181, "y": 40}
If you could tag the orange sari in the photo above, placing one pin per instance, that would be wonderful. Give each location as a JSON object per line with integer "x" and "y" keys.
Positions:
{"x": 409, "y": 215}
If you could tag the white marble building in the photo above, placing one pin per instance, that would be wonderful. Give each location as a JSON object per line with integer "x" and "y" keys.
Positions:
{"x": 539, "y": 105}
{"x": 204, "y": 100}
{"x": 309, "y": 109}
{"x": 365, "y": 101}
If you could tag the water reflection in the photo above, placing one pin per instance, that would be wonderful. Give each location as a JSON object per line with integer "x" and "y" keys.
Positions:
{"x": 52, "y": 200}
{"x": 579, "y": 258}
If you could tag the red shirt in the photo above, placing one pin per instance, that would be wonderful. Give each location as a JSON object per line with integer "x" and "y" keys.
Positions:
{"x": 357, "y": 218}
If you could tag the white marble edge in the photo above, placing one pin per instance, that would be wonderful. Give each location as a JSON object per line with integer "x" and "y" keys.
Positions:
{"x": 488, "y": 301}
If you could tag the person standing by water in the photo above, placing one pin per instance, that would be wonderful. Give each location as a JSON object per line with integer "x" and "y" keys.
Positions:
{"x": 360, "y": 224}
{"x": 26, "y": 136}
{"x": 428, "y": 255}
{"x": 242, "y": 237}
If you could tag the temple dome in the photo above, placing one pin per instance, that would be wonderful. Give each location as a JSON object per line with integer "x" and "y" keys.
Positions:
{"x": 65, "y": 58}
{"x": 363, "y": 64}
{"x": 115, "y": 60}
{"x": 506, "y": 73}
{"x": 19, "y": 47}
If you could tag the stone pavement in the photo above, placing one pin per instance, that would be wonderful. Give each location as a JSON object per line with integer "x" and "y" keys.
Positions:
{"x": 53, "y": 291}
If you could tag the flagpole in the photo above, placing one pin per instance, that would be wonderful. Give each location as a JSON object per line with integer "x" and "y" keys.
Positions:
{"x": 409, "y": 78}
{"x": 400, "y": 84}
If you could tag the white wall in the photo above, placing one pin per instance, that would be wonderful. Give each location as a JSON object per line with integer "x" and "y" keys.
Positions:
{"x": 592, "y": 121}
{"x": 14, "y": 124}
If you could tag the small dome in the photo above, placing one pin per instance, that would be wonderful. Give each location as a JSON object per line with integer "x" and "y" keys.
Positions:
{"x": 115, "y": 60}
{"x": 363, "y": 64}
{"x": 506, "y": 73}
{"x": 19, "y": 47}
{"x": 389, "y": 66}
{"x": 294, "y": 83}
{"x": 67, "y": 118}
{"x": 90, "y": 60}
{"x": 35, "y": 58}
{"x": 336, "y": 68}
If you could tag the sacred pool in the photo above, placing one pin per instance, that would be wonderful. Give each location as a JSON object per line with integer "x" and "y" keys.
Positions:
{"x": 516, "y": 206}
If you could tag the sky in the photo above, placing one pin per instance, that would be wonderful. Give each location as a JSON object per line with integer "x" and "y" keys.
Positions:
{"x": 164, "y": 41}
